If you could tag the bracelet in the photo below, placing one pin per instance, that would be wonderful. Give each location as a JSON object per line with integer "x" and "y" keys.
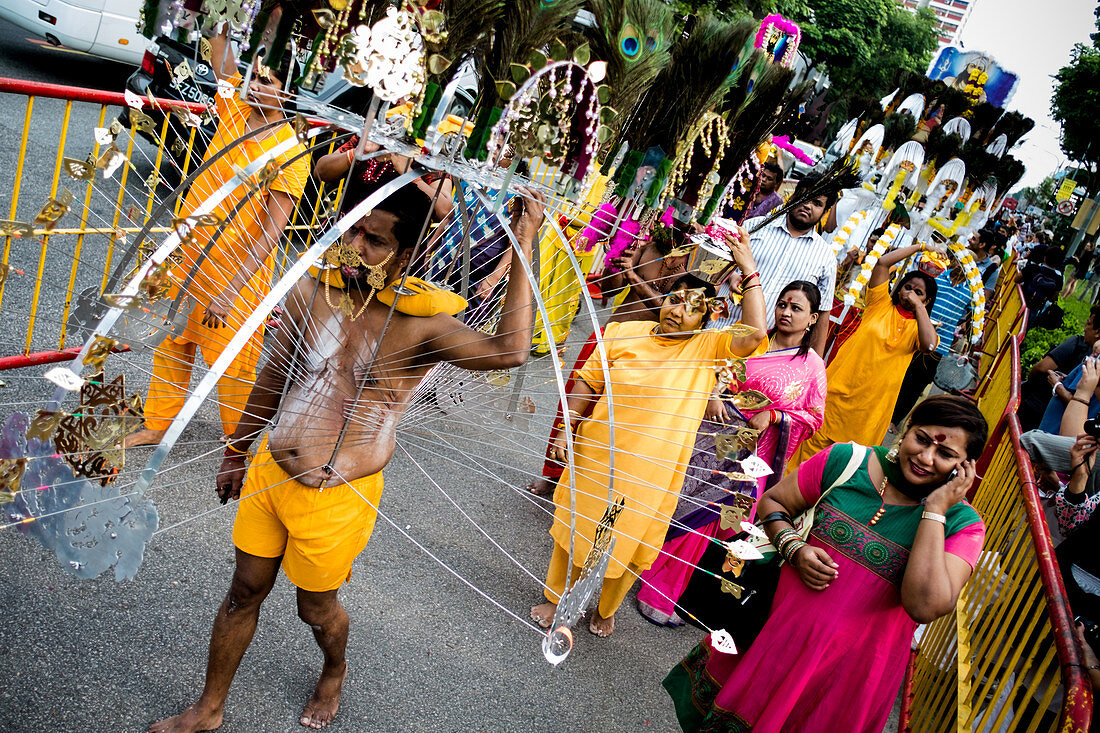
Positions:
{"x": 750, "y": 277}
{"x": 231, "y": 454}
{"x": 777, "y": 517}
{"x": 789, "y": 543}
{"x": 774, "y": 417}
{"x": 934, "y": 517}
{"x": 750, "y": 287}
{"x": 1075, "y": 398}
{"x": 351, "y": 156}
{"x": 793, "y": 549}
{"x": 230, "y": 447}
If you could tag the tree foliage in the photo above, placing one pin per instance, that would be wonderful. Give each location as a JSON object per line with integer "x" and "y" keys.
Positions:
{"x": 1076, "y": 105}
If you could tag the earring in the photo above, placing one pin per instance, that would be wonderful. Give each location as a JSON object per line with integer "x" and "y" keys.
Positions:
{"x": 892, "y": 455}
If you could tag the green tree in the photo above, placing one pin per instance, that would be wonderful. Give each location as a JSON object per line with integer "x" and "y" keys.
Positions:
{"x": 863, "y": 44}
{"x": 1076, "y": 105}
{"x": 1041, "y": 194}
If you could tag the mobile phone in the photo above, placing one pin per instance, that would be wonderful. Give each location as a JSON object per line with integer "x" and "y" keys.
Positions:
{"x": 1092, "y": 631}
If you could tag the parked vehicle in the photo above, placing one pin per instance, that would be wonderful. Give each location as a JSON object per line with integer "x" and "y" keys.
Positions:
{"x": 106, "y": 28}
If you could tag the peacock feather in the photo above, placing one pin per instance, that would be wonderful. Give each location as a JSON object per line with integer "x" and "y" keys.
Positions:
{"x": 633, "y": 37}
{"x": 687, "y": 86}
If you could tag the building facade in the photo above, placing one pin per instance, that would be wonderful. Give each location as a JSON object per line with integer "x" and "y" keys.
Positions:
{"x": 951, "y": 16}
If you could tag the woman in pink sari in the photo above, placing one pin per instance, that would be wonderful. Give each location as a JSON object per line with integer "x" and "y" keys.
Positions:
{"x": 892, "y": 544}
{"x": 792, "y": 376}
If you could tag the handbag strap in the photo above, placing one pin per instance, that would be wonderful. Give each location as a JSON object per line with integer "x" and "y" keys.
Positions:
{"x": 859, "y": 454}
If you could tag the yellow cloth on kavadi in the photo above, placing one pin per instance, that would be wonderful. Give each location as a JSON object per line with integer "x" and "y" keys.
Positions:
{"x": 660, "y": 387}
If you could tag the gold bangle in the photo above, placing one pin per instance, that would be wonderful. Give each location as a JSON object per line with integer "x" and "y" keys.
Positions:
{"x": 235, "y": 449}
{"x": 934, "y": 517}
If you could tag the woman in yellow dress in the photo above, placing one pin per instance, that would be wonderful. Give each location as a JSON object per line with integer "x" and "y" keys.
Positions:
{"x": 662, "y": 375}
{"x": 866, "y": 374}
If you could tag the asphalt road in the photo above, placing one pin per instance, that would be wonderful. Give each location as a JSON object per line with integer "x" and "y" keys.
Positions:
{"x": 427, "y": 652}
{"x": 431, "y": 649}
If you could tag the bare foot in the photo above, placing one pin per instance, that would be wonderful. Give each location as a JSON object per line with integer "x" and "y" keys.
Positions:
{"x": 601, "y": 626}
{"x": 145, "y": 436}
{"x": 541, "y": 487}
{"x": 321, "y": 708}
{"x": 543, "y": 614}
{"x": 190, "y": 720}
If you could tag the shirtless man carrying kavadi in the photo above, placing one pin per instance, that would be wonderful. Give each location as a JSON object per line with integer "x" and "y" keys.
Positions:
{"x": 336, "y": 385}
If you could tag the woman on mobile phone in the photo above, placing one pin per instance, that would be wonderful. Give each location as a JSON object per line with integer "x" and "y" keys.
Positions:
{"x": 890, "y": 548}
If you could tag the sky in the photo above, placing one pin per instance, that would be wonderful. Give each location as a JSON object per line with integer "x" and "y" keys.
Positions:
{"x": 1033, "y": 39}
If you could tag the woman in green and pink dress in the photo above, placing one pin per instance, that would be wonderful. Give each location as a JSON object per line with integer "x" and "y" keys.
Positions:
{"x": 890, "y": 548}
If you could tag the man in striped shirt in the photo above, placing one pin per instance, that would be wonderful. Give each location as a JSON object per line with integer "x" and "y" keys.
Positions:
{"x": 788, "y": 249}
{"x": 951, "y": 307}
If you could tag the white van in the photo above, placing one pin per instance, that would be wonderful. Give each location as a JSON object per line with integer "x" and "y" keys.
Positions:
{"x": 106, "y": 28}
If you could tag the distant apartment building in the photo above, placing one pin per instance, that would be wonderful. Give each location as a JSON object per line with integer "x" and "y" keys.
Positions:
{"x": 951, "y": 16}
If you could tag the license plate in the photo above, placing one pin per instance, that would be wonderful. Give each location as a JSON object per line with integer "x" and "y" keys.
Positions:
{"x": 190, "y": 92}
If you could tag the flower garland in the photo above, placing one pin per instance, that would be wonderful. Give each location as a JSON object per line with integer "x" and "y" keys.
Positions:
{"x": 885, "y": 242}
{"x": 977, "y": 288}
{"x": 598, "y": 229}
{"x": 840, "y": 239}
{"x": 785, "y": 143}
{"x": 779, "y": 31}
{"x": 625, "y": 237}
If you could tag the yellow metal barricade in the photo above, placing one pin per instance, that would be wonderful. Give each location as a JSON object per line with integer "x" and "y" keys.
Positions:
{"x": 1006, "y": 659}
{"x": 45, "y": 264}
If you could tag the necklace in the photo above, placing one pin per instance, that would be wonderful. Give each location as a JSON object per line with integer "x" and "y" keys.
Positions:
{"x": 881, "y": 509}
{"x": 376, "y": 279}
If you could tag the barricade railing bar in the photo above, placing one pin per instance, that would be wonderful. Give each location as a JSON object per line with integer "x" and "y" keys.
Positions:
{"x": 57, "y": 124}
{"x": 1006, "y": 659}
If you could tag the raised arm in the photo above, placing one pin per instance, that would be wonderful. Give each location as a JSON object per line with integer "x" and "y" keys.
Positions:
{"x": 933, "y": 577}
{"x": 511, "y": 344}
{"x": 223, "y": 62}
{"x": 334, "y": 166}
{"x": 752, "y": 294}
{"x": 880, "y": 274}
{"x": 1077, "y": 408}
{"x": 926, "y": 332}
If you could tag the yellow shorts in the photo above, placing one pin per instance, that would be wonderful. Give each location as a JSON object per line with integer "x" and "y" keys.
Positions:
{"x": 318, "y": 533}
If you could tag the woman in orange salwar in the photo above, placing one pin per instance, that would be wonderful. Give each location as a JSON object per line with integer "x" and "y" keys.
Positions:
{"x": 866, "y": 375}
{"x": 662, "y": 375}
{"x": 233, "y": 277}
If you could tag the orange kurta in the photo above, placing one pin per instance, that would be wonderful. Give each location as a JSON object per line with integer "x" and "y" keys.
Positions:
{"x": 173, "y": 359}
{"x": 865, "y": 377}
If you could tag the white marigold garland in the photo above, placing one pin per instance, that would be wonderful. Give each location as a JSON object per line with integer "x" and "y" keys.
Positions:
{"x": 884, "y": 243}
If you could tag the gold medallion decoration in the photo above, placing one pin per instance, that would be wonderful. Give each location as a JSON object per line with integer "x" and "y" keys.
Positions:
{"x": 733, "y": 514}
{"x": 343, "y": 254}
{"x": 268, "y": 174}
{"x": 101, "y": 349}
{"x": 140, "y": 121}
{"x": 157, "y": 280}
{"x": 81, "y": 170}
{"x": 11, "y": 477}
{"x": 602, "y": 541}
{"x": 728, "y": 586}
{"x": 44, "y": 424}
{"x": 54, "y": 209}
{"x": 90, "y": 439}
{"x": 725, "y": 446}
{"x": 751, "y": 399}
{"x": 15, "y": 229}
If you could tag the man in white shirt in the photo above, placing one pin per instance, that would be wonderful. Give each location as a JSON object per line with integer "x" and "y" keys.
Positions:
{"x": 787, "y": 249}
